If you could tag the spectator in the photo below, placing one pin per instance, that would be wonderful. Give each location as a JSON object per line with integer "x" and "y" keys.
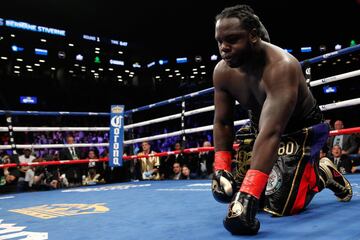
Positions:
{"x": 11, "y": 176}
{"x": 168, "y": 162}
{"x": 45, "y": 177}
{"x": 95, "y": 171}
{"x": 341, "y": 161}
{"x": 150, "y": 165}
{"x": 206, "y": 160}
{"x": 73, "y": 172}
{"x": 346, "y": 142}
{"x": 26, "y": 172}
{"x": 176, "y": 171}
{"x": 185, "y": 172}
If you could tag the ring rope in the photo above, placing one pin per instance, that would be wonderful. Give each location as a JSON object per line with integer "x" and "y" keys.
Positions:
{"x": 46, "y": 113}
{"x": 54, "y": 129}
{"x": 161, "y": 154}
{"x": 335, "y": 78}
{"x": 331, "y": 55}
{"x": 43, "y": 146}
{"x": 325, "y": 107}
{"x": 161, "y": 136}
{"x": 172, "y": 100}
{"x": 177, "y": 133}
{"x": 322, "y": 81}
{"x": 346, "y": 103}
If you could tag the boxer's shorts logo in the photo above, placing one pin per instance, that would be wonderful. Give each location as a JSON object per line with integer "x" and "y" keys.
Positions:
{"x": 288, "y": 148}
{"x": 274, "y": 182}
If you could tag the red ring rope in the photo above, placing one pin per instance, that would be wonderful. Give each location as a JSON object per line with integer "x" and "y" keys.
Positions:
{"x": 161, "y": 154}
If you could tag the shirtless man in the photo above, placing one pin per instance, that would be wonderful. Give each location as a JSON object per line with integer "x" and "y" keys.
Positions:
{"x": 287, "y": 126}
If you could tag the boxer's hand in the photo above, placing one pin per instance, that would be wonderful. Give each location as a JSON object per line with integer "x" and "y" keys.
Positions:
{"x": 240, "y": 219}
{"x": 223, "y": 186}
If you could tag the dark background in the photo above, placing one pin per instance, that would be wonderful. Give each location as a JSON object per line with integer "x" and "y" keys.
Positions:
{"x": 162, "y": 29}
{"x": 174, "y": 27}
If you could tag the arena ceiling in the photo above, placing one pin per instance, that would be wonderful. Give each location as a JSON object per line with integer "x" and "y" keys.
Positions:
{"x": 160, "y": 28}
{"x": 154, "y": 30}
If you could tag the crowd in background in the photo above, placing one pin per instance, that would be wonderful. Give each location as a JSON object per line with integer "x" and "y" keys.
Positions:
{"x": 343, "y": 150}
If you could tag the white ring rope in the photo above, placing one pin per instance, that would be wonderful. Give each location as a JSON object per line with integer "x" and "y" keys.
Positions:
{"x": 127, "y": 142}
{"x": 326, "y": 107}
{"x": 192, "y": 112}
{"x": 188, "y": 113}
{"x": 335, "y": 78}
{"x": 346, "y": 103}
{"x": 43, "y": 146}
{"x": 322, "y": 81}
{"x": 177, "y": 133}
{"x": 134, "y": 125}
{"x": 170, "y": 117}
{"x": 54, "y": 129}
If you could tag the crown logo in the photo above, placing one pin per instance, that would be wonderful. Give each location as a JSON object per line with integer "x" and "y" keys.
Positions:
{"x": 117, "y": 109}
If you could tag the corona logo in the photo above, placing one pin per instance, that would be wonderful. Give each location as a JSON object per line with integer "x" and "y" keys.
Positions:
{"x": 116, "y": 121}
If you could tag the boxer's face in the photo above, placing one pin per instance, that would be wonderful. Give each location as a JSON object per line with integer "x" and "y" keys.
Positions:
{"x": 234, "y": 42}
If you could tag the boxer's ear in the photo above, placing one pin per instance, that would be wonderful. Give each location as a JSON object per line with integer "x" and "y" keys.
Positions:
{"x": 254, "y": 35}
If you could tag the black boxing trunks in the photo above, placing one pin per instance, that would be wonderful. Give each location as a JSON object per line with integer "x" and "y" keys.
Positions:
{"x": 293, "y": 180}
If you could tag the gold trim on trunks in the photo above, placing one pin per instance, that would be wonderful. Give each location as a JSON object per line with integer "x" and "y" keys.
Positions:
{"x": 294, "y": 179}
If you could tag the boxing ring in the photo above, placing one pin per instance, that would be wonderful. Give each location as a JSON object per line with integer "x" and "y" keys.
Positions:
{"x": 162, "y": 209}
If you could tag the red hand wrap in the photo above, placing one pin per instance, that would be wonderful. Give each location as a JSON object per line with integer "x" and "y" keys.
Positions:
{"x": 223, "y": 161}
{"x": 254, "y": 183}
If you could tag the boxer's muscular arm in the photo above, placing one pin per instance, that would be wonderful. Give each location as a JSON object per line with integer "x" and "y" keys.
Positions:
{"x": 281, "y": 84}
{"x": 224, "y": 110}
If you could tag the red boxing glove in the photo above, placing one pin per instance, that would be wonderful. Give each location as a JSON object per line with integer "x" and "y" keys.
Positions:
{"x": 254, "y": 183}
{"x": 223, "y": 160}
